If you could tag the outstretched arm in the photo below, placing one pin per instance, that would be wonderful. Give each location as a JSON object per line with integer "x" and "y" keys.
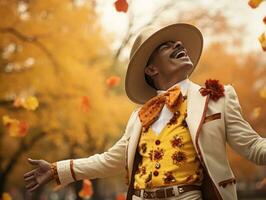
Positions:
{"x": 109, "y": 163}
{"x": 240, "y": 135}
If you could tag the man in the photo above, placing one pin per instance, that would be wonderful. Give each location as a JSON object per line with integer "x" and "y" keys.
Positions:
{"x": 174, "y": 146}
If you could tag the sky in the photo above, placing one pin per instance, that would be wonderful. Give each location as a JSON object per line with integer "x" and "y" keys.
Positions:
{"x": 238, "y": 11}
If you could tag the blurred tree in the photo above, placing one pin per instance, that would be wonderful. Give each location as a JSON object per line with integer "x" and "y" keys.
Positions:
{"x": 57, "y": 52}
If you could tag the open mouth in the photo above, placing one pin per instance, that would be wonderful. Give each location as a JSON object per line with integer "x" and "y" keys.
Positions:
{"x": 179, "y": 53}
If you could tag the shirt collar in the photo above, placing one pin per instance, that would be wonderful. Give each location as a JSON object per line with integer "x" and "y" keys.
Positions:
{"x": 182, "y": 84}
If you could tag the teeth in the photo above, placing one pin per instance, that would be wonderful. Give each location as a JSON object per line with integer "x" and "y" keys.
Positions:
{"x": 180, "y": 54}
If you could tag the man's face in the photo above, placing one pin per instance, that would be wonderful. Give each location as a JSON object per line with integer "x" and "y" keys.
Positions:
{"x": 169, "y": 61}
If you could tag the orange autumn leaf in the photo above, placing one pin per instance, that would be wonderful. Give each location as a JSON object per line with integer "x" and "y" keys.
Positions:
{"x": 264, "y": 20}
{"x": 121, "y": 5}
{"x": 262, "y": 39}
{"x": 121, "y": 196}
{"x": 113, "y": 81}
{"x": 85, "y": 104}
{"x": 15, "y": 128}
{"x": 87, "y": 190}
{"x": 254, "y": 3}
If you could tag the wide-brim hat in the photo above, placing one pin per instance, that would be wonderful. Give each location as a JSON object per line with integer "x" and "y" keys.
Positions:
{"x": 137, "y": 89}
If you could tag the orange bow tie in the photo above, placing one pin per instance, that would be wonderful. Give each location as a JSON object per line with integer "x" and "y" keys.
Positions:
{"x": 151, "y": 109}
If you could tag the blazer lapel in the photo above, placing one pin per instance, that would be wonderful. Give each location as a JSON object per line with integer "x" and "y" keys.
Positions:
{"x": 133, "y": 142}
{"x": 195, "y": 110}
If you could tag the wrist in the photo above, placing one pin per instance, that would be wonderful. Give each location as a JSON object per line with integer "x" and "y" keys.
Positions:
{"x": 55, "y": 173}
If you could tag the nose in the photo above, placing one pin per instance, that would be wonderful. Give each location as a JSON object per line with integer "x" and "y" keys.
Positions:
{"x": 177, "y": 44}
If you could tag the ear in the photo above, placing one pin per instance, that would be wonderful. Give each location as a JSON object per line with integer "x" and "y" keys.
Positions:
{"x": 151, "y": 70}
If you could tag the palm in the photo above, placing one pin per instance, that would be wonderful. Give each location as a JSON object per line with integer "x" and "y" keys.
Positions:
{"x": 38, "y": 176}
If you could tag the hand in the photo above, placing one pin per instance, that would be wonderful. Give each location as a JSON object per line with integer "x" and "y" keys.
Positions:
{"x": 38, "y": 176}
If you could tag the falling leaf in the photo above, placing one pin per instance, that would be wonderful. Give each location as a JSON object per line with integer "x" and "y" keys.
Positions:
{"x": 264, "y": 20}
{"x": 30, "y": 103}
{"x": 85, "y": 104}
{"x": 262, "y": 39}
{"x": 6, "y": 196}
{"x": 254, "y": 3}
{"x": 113, "y": 81}
{"x": 87, "y": 190}
{"x": 121, "y": 196}
{"x": 15, "y": 128}
{"x": 121, "y": 5}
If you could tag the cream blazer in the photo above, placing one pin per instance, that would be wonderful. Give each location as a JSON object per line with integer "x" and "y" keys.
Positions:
{"x": 209, "y": 140}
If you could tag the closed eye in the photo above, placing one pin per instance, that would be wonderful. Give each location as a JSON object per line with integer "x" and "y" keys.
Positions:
{"x": 165, "y": 46}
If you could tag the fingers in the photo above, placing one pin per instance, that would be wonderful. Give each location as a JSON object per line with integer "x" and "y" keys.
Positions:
{"x": 31, "y": 184}
{"x": 33, "y": 162}
{"x": 33, "y": 187}
{"x": 31, "y": 173}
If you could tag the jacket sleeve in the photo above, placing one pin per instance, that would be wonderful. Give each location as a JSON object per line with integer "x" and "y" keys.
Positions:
{"x": 109, "y": 163}
{"x": 240, "y": 135}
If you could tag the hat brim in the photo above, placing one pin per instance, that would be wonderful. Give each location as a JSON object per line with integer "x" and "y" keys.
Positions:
{"x": 137, "y": 89}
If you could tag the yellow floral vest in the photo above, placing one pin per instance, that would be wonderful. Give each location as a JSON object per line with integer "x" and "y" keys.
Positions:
{"x": 168, "y": 158}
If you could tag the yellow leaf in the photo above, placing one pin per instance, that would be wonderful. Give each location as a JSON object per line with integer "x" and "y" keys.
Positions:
{"x": 31, "y": 103}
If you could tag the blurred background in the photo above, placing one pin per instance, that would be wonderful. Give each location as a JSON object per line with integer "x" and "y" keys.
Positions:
{"x": 62, "y": 71}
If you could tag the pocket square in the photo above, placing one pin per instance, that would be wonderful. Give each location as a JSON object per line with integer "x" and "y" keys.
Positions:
{"x": 212, "y": 117}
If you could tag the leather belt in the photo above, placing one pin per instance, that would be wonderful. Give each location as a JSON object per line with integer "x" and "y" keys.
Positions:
{"x": 165, "y": 192}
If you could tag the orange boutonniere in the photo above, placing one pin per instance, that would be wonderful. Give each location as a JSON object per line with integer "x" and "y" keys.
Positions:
{"x": 213, "y": 88}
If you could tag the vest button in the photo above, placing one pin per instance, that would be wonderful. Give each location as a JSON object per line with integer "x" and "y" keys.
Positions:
{"x": 157, "y": 142}
{"x": 155, "y": 173}
{"x": 157, "y": 165}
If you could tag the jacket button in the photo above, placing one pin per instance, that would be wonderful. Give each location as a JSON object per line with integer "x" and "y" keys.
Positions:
{"x": 157, "y": 142}
{"x": 157, "y": 165}
{"x": 155, "y": 173}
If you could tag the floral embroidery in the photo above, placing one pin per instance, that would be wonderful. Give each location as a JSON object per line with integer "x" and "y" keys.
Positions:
{"x": 148, "y": 182}
{"x": 213, "y": 88}
{"x": 141, "y": 171}
{"x": 143, "y": 147}
{"x": 177, "y": 141}
{"x": 158, "y": 154}
{"x": 169, "y": 178}
{"x": 179, "y": 157}
{"x": 174, "y": 118}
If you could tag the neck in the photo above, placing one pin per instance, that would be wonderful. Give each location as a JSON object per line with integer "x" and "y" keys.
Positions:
{"x": 167, "y": 83}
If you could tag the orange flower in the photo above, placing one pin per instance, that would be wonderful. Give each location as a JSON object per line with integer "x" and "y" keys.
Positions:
{"x": 15, "y": 127}
{"x": 262, "y": 39}
{"x": 85, "y": 104}
{"x": 113, "y": 81}
{"x": 121, "y": 5}
{"x": 254, "y": 3}
{"x": 87, "y": 190}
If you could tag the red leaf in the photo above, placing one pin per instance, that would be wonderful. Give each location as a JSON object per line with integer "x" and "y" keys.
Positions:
{"x": 121, "y": 5}
{"x": 264, "y": 20}
{"x": 85, "y": 104}
{"x": 23, "y": 128}
{"x": 113, "y": 81}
